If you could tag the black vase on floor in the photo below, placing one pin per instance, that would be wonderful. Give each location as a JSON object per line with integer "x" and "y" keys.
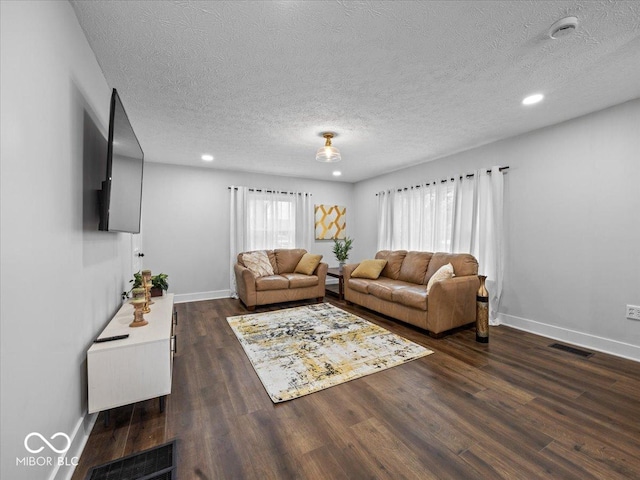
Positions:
{"x": 482, "y": 312}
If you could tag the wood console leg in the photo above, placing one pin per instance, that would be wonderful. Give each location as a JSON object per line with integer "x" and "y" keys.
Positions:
{"x": 251, "y": 309}
{"x": 162, "y": 403}
{"x": 106, "y": 418}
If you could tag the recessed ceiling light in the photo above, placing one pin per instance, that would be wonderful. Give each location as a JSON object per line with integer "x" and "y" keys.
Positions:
{"x": 207, "y": 158}
{"x": 531, "y": 99}
{"x": 337, "y": 173}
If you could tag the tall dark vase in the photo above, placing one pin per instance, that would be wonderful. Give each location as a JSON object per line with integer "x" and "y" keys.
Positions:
{"x": 482, "y": 312}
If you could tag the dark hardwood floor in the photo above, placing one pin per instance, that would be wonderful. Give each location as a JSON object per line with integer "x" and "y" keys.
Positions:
{"x": 513, "y": 408}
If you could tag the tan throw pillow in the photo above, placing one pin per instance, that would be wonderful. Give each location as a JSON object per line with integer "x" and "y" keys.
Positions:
{"x": 369, "y": 269}
{"x": 258, "y": 263}
{"x": 308, "y": 263}
{"x": 443, "y": 273}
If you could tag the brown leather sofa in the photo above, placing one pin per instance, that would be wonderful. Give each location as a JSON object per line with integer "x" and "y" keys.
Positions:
{"x": 401, "y": 289}
{"x": 284, "y": 285}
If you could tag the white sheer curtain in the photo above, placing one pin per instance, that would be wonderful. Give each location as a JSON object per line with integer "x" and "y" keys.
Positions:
{"x": 265, "y": 220}
{"x": 479, "y": 228}
{"x": 385, "y": 219}
{"x": 237, "y": 230}
{"x": 417, "y": 218}
{"x": 304, "y": 221}
{"x": 439, "y": 205}
{"x": 463, "y": 215}
{"x": 490, "y": 236}
{"x": 271, "y": 220}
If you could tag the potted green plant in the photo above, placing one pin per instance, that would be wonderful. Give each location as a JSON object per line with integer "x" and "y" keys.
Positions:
{"x": 341, "y": 250}
{"x": 159, "y": 284}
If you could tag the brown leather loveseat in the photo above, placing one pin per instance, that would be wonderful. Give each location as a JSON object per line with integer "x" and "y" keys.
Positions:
{"x": 401, "y": 289}
{"x": 283, "y": 282}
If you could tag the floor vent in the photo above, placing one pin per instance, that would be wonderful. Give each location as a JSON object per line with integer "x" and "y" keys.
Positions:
{"x": 157, "y": 463}
{"x": 575, "y": 351}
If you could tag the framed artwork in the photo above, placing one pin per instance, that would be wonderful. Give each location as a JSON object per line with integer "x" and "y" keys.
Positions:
{"x": 330, "y": 222}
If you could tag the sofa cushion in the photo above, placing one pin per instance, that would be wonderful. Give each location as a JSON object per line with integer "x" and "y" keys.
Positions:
{"x": 359, "y": 284}
{"x": 272, "y": 282}
{"x": 394, "y": 262}
{"x": 369, "y": 269}
{"x": 385, "y": 289}
{"x": 258, "y": 263}
{"x": 463, "y": 264}
{"x": 287, "y": 259}
{"x": 270, "y": 254}
{"x": 300, "y": 280}
{"x": 444, "y": 273}
{"x": 414, "y": 267}
{"x": 308, "y": 264}
{"x": 414, "y": 296}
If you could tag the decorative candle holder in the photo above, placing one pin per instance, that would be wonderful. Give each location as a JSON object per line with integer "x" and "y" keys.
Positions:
{"x": 482, "y": 312}
{"x": 146, "y": 284}
{"x": 138, "y": 312}
{"x": 139, "y": 293}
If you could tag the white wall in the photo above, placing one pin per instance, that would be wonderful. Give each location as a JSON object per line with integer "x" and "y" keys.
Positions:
{"x": 185, "y": 223}
{"x": 572, "y": 203}
{"x": 60, "y": 278}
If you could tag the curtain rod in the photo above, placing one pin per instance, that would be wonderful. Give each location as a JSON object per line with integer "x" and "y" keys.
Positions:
{"x": 469, "y": 175}
{"x": 272, "y": 191}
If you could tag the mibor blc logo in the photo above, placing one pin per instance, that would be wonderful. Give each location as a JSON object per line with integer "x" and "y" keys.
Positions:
{"x": 39, "y": 435}
{"x": 35, "y": 443}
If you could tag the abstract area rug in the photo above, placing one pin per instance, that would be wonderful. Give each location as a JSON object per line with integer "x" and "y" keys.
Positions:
{"x": 302, "y": 350}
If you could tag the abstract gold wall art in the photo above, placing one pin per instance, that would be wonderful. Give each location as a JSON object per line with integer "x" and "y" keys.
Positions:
{"x": 331, "y": 222}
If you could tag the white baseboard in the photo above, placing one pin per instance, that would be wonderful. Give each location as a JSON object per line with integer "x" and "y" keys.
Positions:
{"x": 600, "y": 344}
{"x": 79, "y": 439}
{"x": 199, "y": 296}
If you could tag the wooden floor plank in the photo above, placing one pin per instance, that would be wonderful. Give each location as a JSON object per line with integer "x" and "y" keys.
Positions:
{"x": 581, "y": 465}
{"x": 569, "y": 424}
{"x": 321, "y": 463}
{"x": 512, "y": 408}
{"x": 106, "y": 442}
{"x": 147, "y": 428}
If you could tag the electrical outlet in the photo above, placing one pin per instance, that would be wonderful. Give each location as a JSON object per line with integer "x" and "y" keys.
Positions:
{"x": 633, "y": 312}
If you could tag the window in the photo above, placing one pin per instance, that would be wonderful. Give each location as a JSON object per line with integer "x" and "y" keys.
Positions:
{"x": 266, "y": 220}
{"x": 461, "y": 215}
{"x": 271, "y": 221}
{"x": 423, "y": 218}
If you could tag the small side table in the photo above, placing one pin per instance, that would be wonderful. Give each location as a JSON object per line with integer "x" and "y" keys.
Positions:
{"x": 336, "y": 273}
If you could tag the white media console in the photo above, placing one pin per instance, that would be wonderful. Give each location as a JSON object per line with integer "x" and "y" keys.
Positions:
{"x": 136, "y": 368}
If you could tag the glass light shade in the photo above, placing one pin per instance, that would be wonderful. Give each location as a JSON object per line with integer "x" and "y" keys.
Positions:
{"x": 328, "y": 154}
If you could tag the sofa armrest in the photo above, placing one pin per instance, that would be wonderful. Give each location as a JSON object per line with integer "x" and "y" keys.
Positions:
{"x": 347, "y": 270}
{"x": 245, "y": 285}
{"x": 321, "y": 273}
{"x": 452, "y": 303}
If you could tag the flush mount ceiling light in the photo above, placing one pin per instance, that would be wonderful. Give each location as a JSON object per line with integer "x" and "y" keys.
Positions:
{"x": 328, "y": 154}
{"x": 207, "y": 158}
{"x": 531, "y": 99}
{"x": 337, "y": 173}
{"x": 563, "y": 27}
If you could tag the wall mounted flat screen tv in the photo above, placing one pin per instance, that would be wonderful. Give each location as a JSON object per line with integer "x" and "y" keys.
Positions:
{"x": 121, "y": 195}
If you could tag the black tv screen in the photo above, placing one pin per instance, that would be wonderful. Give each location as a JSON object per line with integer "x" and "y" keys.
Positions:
{"x": 122, "y": 190}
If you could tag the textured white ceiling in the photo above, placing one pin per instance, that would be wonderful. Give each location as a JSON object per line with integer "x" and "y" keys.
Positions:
{"x": 255, "y": 83}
